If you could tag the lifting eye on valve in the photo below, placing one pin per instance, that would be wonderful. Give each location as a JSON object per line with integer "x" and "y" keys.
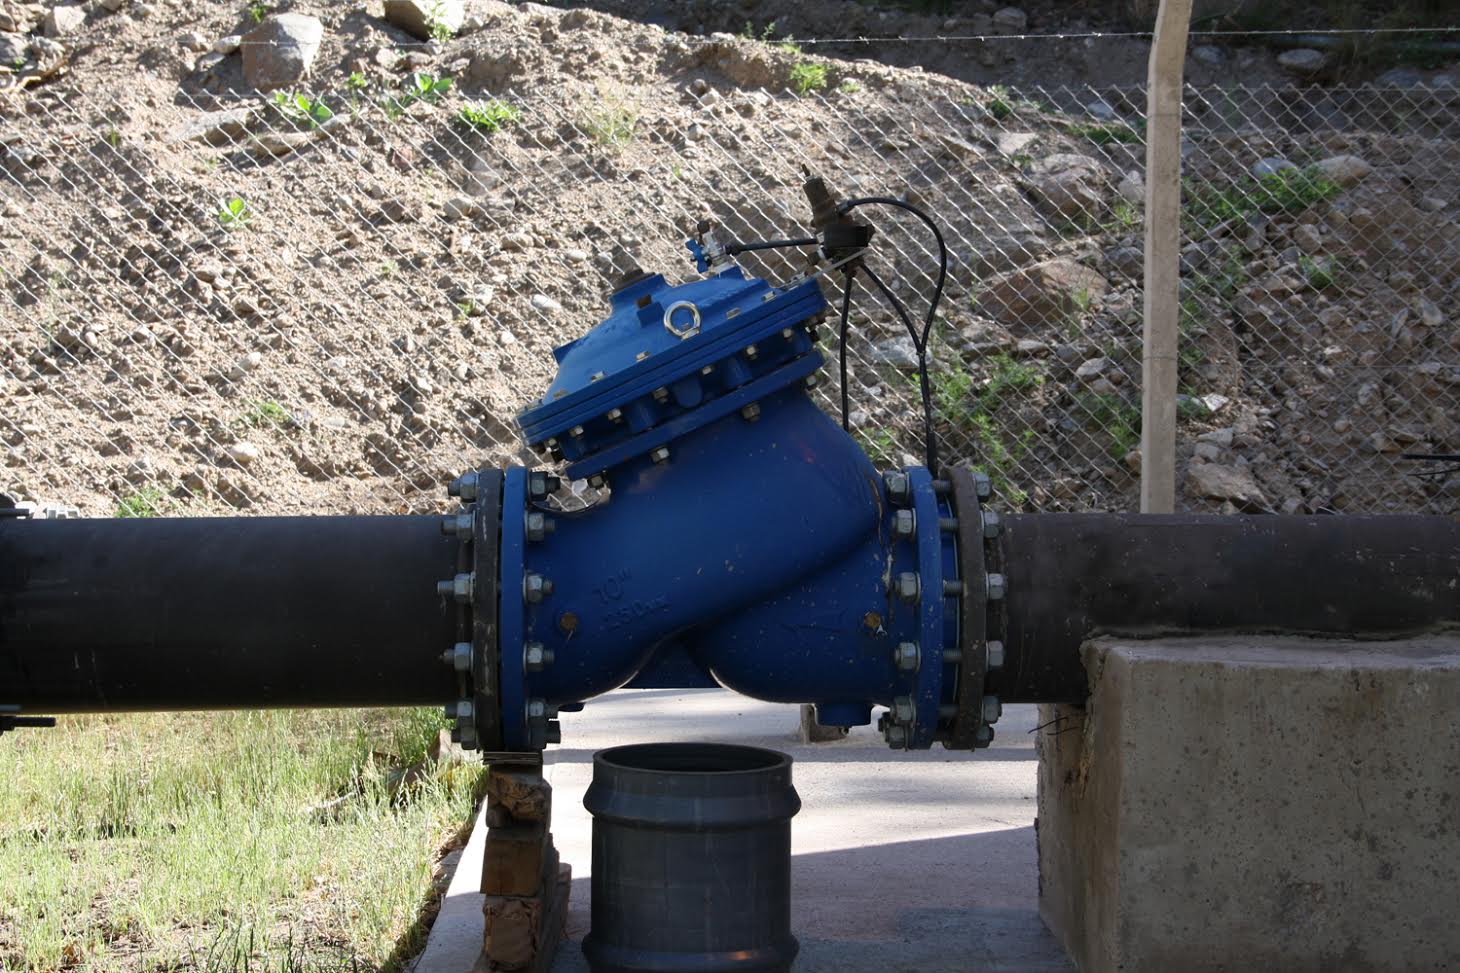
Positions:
{"x": 688, "y": 329}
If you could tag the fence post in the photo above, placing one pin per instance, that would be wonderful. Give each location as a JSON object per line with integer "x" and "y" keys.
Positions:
{"x": 1163, "y": 256}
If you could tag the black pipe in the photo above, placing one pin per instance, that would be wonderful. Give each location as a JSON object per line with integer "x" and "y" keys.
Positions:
{"x": 1073, "y": 576}
{"x": 224, "y": 613}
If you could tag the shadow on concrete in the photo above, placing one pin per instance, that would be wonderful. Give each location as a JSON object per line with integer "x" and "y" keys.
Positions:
{"x": 830, "y": 753}
{"x": 960, "y": 904}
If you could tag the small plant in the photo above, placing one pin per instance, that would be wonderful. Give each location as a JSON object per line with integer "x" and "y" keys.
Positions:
{"x": 441, "y": 31}
{"x": 258, "y": 11}
{"x": 234, "y": 213}
{"x": 1319, "y": 273}
{"x": 420, "y": 86}
{"x": 146, "y": 502}
{"x": 612, "y": 121}
{"x": 1000, "y": 104}
{"x": 357, "y": 81}
{"x": 113, "y": 137}
{"x": 849, "y": 87}
{"x": 807, "y": 77}
{"x": 264, "y": 413}
{"x": 488, "y": 116}
{"x": 1285, "y": 191}
{"x": 301, "y": 109}
{"x": 880, "y": 445}
{"x": 1124, "y": 216}
{"x": 1106, "y": 133}
{"x": 388, "y": 268}
{"x": 1119, "y": 418}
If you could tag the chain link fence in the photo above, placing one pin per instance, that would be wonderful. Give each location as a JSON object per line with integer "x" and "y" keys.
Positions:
{"x": 333, "y": 300}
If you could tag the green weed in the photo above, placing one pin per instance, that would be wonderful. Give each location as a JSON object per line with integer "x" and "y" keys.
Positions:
{"x": 612, "y": 121}
{"x": 357, "y": 81}
{"x": 1320, "y": 273}
{"x": 146, "y": 502}
{"x": 264, "y": 413}
{"x": 1000, "y": 103}
{"x": 419, "y": 87}
{"x": 1107, "y": 133}
{"x": 1120, "y": 419}
{"x": 807, "y": 77}
{"x": 849, "y": 87}
{"x": 258, "y": 11}
{"x": 488, "y": 116}
{"x": 301, "y": 109}
{"x": 1286, "y": 191}
{"x": 441, "y": 31}
{"x": 235, "y": 213}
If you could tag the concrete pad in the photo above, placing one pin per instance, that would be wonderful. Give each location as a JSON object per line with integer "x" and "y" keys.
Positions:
{"x": 1256, "y": 803}
{"x": 903, "y": 862}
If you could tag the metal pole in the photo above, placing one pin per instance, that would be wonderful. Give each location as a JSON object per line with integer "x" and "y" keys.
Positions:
{"x": 1163, "y": 252}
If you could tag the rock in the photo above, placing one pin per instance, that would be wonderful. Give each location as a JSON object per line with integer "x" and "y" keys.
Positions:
{"x": 1430, "y": 314}
{"x": 13, "y": 48}
{"x": 1307, "y": 237}
{"x": 1302, "y": 61}
{"x": 1132, "y": 188}
{"x": 544, "y": 303}
{"x": 1221, "y": 437}
{"x": 278, "y": 143}
{"x": 1102, "y": 110}
{"x": 898, "y": 352}
{"x": 228, "y": 45}
{"x": 516, "y": 241}
{"x": 1400, "y": 78}
{"x": 1132, "y": 461}
{"x": 1014, "y": 143}
{"x": 1130, "y": 261}
{"x": 1042, "y": 294}
{"x": 1216, "y": 481}
{"x": 1270, "y": 166}
{"x": 112, "y": 5}
{"x": 1031, "y": 348}
{"x": 1208, "y": 54}
{"x": 421, "y": 18}
{"x": 575, "y": 256}
{"x": 1215, "y": 403}
{"x": 1092, "y": 369}
{"x": 1069, "y": 185}
{"x": 65, "y": 18}
{"x": 278, "y": 52}
{"x": 244, "y": 365}
{"x": 244, "y": 454}
{"x": 193, "y": 41}
{"x": 461, "y": 208}
{"x": 1345, "y": 170}
{"x": 215, "y": 127}
{"x": 1010, "y": 20}
{"x": 1207, "y": 451}
{"x": 986, "y": 338}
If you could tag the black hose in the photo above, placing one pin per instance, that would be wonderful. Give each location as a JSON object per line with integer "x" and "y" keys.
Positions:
{"x": 734, "y": 248}
{"x": 842, "y": 343}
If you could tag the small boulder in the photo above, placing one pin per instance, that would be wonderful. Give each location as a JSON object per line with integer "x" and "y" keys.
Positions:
{"x": 13, "y": 48}
{"x": 278, "y": 52}
{"x": 65, "y": 18}
{"x": 1270, "y": 166}
{"x": 1303, "y": 61}
{"x": 1345, "y": 170}
{"x": 1010, "y": 20}
{"x": 1042, "y": 294}
{"x": 544, "y": 303}
{"x": 1218, "y": 481}
{"x": 1069, "y": 185}
{"x": 228, "y": 45}
{"x": 214, "y": 127}
{"x": 898, "y": 352}
{"x": 423, "y": 18}
{"x": 244, "y": 454}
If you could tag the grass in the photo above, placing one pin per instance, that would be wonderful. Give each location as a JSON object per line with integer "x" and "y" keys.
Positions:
{"x": 197, "y": 841}
{"x": 1118, "y": 417}
{"x": 488, "y": 116}
{"x": 611, "y": 121}
{"x": 807, "y": 77}
{"x": 1287, "y": 191}
{"x": 1107, "y": 133}
{"x": 264, "y": 413}
{"x": 146, "y": 502}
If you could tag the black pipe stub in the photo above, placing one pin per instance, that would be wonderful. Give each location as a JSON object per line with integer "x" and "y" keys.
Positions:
{"x": 691, "y": 859}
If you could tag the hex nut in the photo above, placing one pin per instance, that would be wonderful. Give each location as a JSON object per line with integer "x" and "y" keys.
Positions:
{"x": 464, "y": 486}
{"x": 538, "y": 525}
{"x": 896, "y": 737}
{"x": 597, "y": 481}
{"x": 659, "y": 454}
{"x": 907, "y": 656}
{"x": 904, "y": 524}
{"x": 992, "y": 525}
{"x": 995, "y": 587}
{"x": 536, "y": 709}
{"x": 457, "y": 525}
{"x": 615, "y": 414}
{"x": 983, "y": 486}
{"x": 908, "y": 586}
{"x": 983, "y": 736}
{"x": 902, "y": 709}
{"x": 459, "y": 587}
{"x": 535, "y": 588}
{"x": 996, "y": 655}
{"x": 536, "y": 657}
{"x": 541, "y": 483}
{"x": 899, "y": 491}
{"x": 751, "y": 412}
{"x": 460, "y": 655}
{"x": 992, "y": 709}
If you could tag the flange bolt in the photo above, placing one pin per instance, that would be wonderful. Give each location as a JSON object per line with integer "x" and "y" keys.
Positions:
{"x": 539, "y": 525}
{"x": 908, "y": 587}
{"x": 899, "y": 491}
{"x": 535, "y": 588}
{"x": 904, "y": 524}
{"x": 995, "y": 586}
{"x": 659, "y": 454}
{"x": 983, "y": 486}
{"x": 992, "y": 525}
{"x": 896, "y": 737}
{"x": 458, "y": 656}
{"x": 983, "y": 736}
{"x": 541, "y": 483}
{"x": 906, "y": 656}
{"x": 902, "y": 709}
{"x": 457, "y": 525}
{"x": 464, "y": 486}
{"x": 992, "y": 709}
{"x": 751, "y": 412}
{"x": 996, "y": 655}
{"x": 535, "y": 657}
{"x": 459, "y": 587}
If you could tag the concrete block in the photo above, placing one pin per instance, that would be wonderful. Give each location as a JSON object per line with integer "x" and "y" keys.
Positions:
{"x": 1225, "y": 804}
{"x": 516, "y": 859}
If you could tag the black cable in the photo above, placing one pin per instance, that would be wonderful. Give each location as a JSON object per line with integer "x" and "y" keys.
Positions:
{"x": 919, "y": 339}
{"x": 734, "y": 248}
{"x": 924, "y": 386}
{"x": 842, "y": 343}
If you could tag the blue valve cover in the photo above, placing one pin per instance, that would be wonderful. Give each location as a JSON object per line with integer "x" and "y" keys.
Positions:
{"x": 668, "y": 359}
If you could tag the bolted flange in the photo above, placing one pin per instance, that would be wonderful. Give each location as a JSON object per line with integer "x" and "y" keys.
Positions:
{"x": 904, "y": 524}
{"x": 899, "y": 491}
{"x": 458, "y": 657}
{"x": 907, "y": 656}
{"x": 540, "y": 484}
